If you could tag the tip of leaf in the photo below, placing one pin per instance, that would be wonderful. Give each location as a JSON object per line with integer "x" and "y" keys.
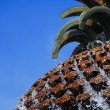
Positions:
{"x": 54, "y": 56}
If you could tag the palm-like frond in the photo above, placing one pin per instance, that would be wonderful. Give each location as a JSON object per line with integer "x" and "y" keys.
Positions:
{"x": 75, "y": 11}
{"x": 75, "y": 35}
{"x": 62, "y": 40}
{"x": 73, "y": 24}
{"x": 99, "y": 14}
{"x": 71, "y": 36}
{"x": 92, "y": 22}
{"x": 78, "y": 49}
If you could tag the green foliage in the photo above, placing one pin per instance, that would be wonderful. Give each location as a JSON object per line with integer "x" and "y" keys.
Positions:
{"x": 94, "y": 19}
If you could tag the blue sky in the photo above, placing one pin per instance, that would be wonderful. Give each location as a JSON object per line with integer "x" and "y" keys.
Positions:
{"x": 27, "y": 36}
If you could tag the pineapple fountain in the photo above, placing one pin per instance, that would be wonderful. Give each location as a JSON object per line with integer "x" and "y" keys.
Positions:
{"x": 83, "y": 81}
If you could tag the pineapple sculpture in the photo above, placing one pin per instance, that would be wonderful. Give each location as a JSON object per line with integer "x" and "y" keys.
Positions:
{"x": 83, "y": 81}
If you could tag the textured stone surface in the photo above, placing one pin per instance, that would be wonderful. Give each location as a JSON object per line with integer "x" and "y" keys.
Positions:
{"x": 80, "y": 83}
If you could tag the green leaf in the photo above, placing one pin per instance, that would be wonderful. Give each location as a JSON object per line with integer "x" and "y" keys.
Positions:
{"x": 71, "y": 36}
{"x": 73, "y": 24}
{"x": 75, "y": 11}
{"x": 99, "y": 14}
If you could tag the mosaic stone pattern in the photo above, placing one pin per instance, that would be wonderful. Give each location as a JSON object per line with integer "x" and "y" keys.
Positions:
{"x": 80, "y": 83}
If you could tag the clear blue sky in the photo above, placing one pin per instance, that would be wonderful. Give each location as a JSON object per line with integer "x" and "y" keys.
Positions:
{"x": 27, "y": 34}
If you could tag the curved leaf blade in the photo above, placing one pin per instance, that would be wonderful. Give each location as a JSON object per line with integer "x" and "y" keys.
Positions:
{"x": 75, "y": 11}
{"x": 73, "y": 24}
{"x": 103, "y": 20}
{"x": 71, "y": 36}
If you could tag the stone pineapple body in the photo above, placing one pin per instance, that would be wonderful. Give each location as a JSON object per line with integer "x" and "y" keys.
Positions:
{"x": 83, "y": 81}
{"x": 80, "y": 83}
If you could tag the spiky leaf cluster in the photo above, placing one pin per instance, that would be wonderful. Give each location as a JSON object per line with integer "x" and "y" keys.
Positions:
{"x": 92, "y": 24}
